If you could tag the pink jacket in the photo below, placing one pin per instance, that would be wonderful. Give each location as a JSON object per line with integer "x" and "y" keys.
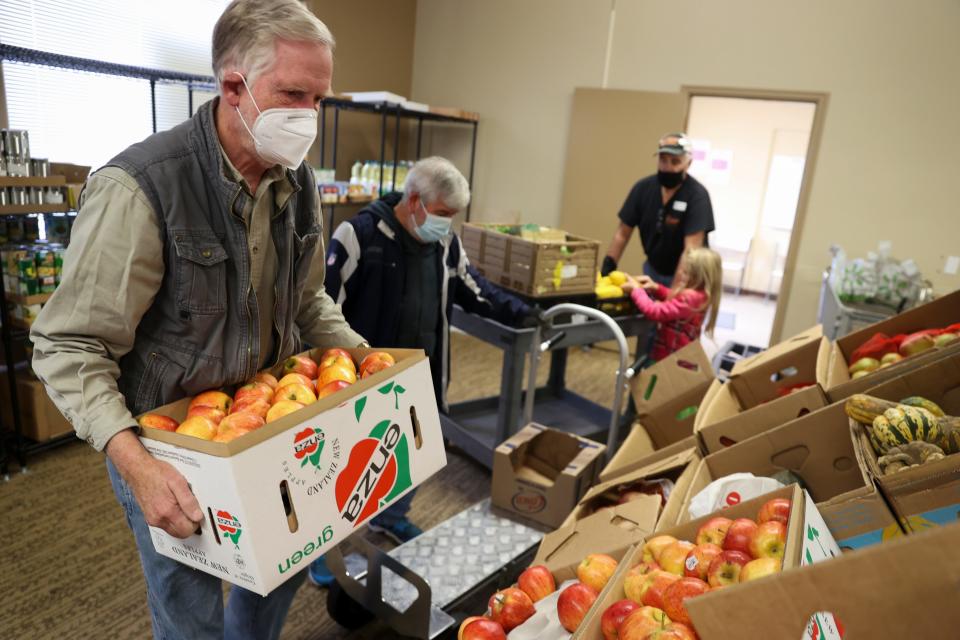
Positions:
{"x": 679, "y": 319}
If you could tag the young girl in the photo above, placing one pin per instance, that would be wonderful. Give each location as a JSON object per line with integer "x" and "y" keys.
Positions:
{"x": 680, "y": 312}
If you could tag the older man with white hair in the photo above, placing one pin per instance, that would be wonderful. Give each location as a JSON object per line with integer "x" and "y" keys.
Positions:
{"x": 671, "y": 209}
{"x": 397, "y": 269}
{"x": 195, "y": 261}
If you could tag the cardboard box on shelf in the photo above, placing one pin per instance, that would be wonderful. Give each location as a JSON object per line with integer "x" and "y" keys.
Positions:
{"x": 539, "y": 474}
{"x": 771, "y": 374}
{"x": 277, "y": 498}
{"x": 726, "y": 423}
{"x": 669, "y": 394}
{"x": 857, "y": 588}
{"x": 39, "y": 417}
{"x": 818, "y": 449}
{"x": 678, "y": 469}
{"x": 74, "y": 173}
{"x": 808, "y": 541}
{"x": 937, "y": 314}
{"x": 927, "y": 495}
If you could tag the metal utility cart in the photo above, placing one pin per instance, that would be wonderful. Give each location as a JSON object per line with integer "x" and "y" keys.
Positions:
{"x": 839, "y": 318}
{"x": 425, "y": 587}
{"x": 478, "y": 426}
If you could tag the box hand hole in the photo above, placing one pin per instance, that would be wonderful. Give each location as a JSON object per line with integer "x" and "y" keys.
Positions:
{"x": 417, "y": 433}
{"x": 690, "y": 366}
{"x": 213, "y": 525}
{"x": 727, "y": 442}
{"x": 791, "y": 459}
{"x": 783, "y": 374}
{"x": 292, "y": 523}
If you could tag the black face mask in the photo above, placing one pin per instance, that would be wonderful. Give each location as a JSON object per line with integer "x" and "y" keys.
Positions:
{"x": 669, "y": 179}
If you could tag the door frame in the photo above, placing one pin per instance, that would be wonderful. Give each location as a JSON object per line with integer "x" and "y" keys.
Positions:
{"x": 820, "y": 100}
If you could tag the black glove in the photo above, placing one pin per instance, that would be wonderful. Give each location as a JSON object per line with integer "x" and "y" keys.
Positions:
{"x": 533, "y": 317}
{"x": 609, "y": 264}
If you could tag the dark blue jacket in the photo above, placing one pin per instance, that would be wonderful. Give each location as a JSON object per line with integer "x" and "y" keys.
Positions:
{"x": 365, "y": 267}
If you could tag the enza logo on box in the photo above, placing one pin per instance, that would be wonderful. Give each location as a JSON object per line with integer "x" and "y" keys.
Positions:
{"x": 377, "y": 471}
{"x": 229, "y": 527}
{"x": 318, "y": 458}
{"x": 528, "y": 502}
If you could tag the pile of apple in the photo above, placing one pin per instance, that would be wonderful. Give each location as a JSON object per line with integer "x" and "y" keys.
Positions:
{"x": 512, "y": 607}
{"x": 214, "y": 415}
{"x": 726, "y": 552}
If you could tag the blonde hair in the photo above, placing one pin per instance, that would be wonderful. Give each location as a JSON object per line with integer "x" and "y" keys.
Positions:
{"x": 245, "y": 35}
{"x": 704, "y": 271}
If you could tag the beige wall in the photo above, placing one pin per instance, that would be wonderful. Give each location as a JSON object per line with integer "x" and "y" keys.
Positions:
{"x": 888, "y": 153}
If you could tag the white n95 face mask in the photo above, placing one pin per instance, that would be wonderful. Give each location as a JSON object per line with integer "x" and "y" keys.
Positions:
{"x": 281, "y": 136}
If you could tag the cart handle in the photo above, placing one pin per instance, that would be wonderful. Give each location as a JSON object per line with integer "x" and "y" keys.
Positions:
{"x": 624, "y": 372}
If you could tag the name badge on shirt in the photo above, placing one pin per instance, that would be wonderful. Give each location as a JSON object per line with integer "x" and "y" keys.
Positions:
{"x": 679, "y": 205}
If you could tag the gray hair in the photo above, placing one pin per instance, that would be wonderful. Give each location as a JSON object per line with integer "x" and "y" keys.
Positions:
{"x": 245, "y": 34}
{"x": 435, "y": 179}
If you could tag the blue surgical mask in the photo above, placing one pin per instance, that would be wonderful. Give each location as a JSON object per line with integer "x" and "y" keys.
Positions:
{"x": 434, "y": 229}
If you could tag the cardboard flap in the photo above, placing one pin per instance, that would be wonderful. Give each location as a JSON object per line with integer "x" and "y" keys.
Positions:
{"x": 604, "y": 532}
{"x": 544, "y": 456}
{"x": 787, "y": 347}
{"x": 719, "y": 404}
{"x": 686, "y": 369}
{"x": 817, "y": 447}
{"x": 869, "y": 591}
{"x": 791, "y": 362}
{"x": 637, "y": 452}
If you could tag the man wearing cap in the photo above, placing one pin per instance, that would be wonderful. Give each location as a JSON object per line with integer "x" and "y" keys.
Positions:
{"x": 672, "y": 210}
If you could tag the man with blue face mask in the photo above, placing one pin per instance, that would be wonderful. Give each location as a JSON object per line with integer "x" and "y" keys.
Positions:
{"x": 397, "y": 269}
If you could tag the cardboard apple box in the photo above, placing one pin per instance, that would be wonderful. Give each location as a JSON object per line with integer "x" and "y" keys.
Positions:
{"x": 919, "y": 602}
{"x": 816, "y": 447}
{"x": 927, "y": 495}
{"x": 678, "y": 468}
{"x": 726, "y": 423}
{"x": 937, "y": 314}
{"x": 668, "y": 394}
{"x": 808, "y": 541}
{"x": 277, "y": 498}
{"x": 539, "y": 474}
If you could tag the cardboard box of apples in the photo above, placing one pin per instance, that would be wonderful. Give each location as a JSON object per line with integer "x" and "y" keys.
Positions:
{"x": 296, "y": 459}
{"x": 708, "y": 558}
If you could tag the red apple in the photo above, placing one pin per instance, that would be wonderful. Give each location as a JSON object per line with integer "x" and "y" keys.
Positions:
{"x": 253, "y": 390}
{"x": 336, "y": 372}
{"x": 217, "y": 399}
{"x": 302, "y": 364}
{"x": 714, "y": 530}
{"x": 678, "y": 592}
{"x": 198, "y": 427}
{"x": 331, "y": 387}
{"x": 698, "y": 560}
{"x": 653, "y": 547}
{"x": 595, "y": 570}
{"x": 336, "y": 352}
{"x": 777, "y": 509}
{"x": 739, "y": 535}
{"x": 267, "y": 378}
{"x": 537, "y": 582}
{"x": 655, "y": 588}
{"x": 510, "y": 608}
{"x": 294, "y": 378}
{"x": 759, "y": 568}
{"x": 282, "y": 408}
{"x": 258, "y": 406}
{"x": 613, "y": 617}
{"x": 157, "y": 421}
{"x": 769, "y": 540}
{"x": 338, "y": 360}
{"x": 376, "y": 356}
{"x": 212, "y": 413}
{"x": 642, "y": 622}
{"x": 673, "y": 631}
{"x": 480, "y": 628}
{"x": 673, "y": 557}
{"x": 373, "y": 367}
{"x": 725, "y": 568}
{"x": 573, "y": 604}
{"x": 296, "y": 392}
{"x": 242, "y": 421}
{"x": 636, "y": 576}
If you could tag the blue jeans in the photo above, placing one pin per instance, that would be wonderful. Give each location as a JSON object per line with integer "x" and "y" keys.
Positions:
{"x": 395, "y": 512}
{"x": 188, "y": 603}
{"x": 665, "y": 280}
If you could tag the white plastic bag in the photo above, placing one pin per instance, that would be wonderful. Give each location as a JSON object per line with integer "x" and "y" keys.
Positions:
{"x": 729, "y": 491}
